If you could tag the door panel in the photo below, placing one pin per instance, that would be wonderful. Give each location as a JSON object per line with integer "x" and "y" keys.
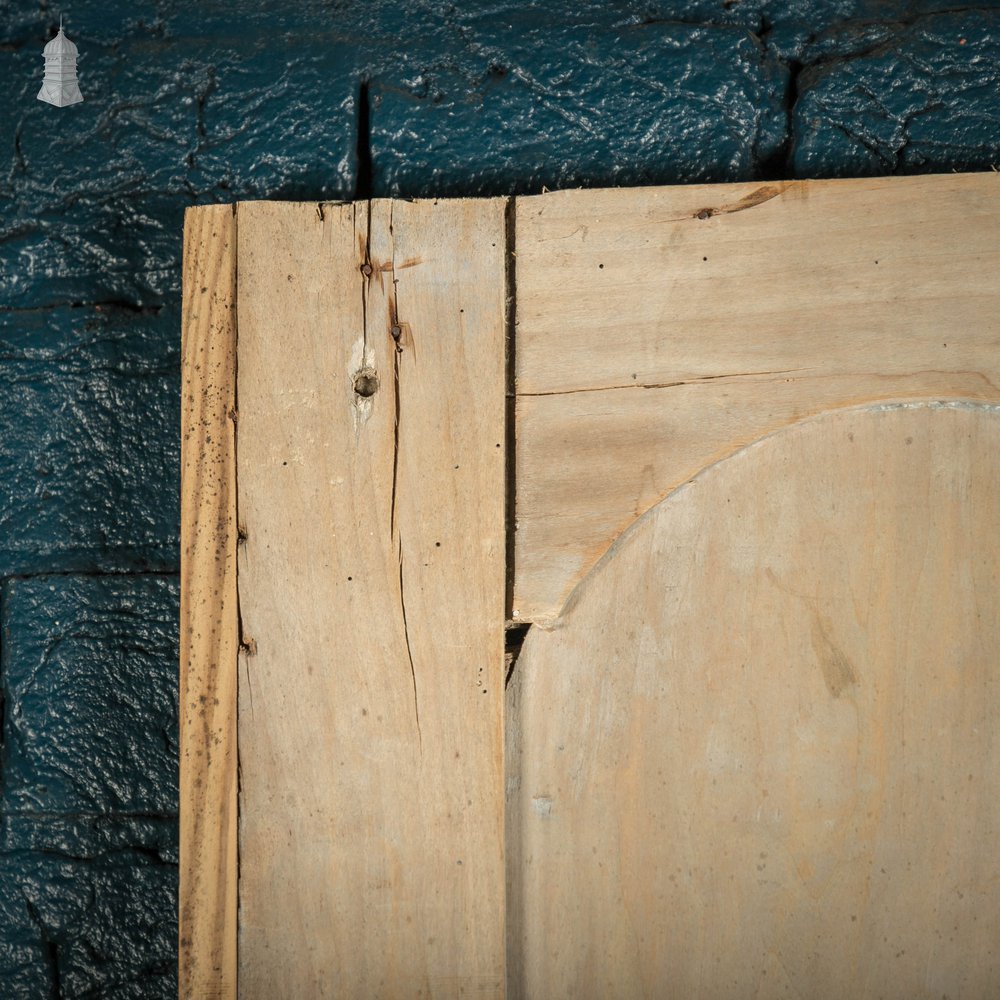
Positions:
{"x": 660, "y": 329}
{"x": 756, "y": 754}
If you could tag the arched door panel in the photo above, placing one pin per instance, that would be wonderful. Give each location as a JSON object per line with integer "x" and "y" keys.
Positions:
{"x": 756, "y": 754}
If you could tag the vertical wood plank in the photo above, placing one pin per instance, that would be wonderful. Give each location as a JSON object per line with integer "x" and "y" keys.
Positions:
{"x": 371, "y": 582}
{"x": 208, "y": 628}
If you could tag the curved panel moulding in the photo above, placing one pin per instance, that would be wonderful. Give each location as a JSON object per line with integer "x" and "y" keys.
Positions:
{"x": 662, "y": 329}
{"x": 756, "y": 754}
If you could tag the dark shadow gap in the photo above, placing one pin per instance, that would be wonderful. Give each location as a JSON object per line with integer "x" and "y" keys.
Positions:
{"x": 510, "y": 430}
{"x": 365, "y": 183}
{"x": 514, "y": 637}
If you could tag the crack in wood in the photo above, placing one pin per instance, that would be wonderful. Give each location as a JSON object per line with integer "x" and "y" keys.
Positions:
{"x": 409, "y": 651}
{"x": 394, "y": 325}
{"x": 667, "y": 385}
{"x": 395, "y": 442}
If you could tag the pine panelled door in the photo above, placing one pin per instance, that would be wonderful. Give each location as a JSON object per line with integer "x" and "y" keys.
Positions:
{"x": 733, "y": 453}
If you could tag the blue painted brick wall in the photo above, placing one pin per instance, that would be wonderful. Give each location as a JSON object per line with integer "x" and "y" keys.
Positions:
{"x": 192, "y": 103}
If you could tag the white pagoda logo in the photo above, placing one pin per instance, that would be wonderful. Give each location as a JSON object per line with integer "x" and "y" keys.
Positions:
{"x": 59, "y": 86}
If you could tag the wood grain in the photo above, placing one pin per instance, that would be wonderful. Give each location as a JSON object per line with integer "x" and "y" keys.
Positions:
{"x": 756, "y": 755}
{"x": 660, "y": 329}
{"x": 208, "y": 617}
{"x": 371, "y": 583}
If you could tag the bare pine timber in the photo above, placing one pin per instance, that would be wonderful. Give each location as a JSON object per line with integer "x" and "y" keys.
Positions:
{"x": 371, "y": 586}
{"x": 660, "y": 329}
{"x": 208, "y": 625}
{"x": 757, "y": 754}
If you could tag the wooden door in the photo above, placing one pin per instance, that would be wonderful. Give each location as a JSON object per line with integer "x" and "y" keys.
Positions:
{"x": 731, "y": 452}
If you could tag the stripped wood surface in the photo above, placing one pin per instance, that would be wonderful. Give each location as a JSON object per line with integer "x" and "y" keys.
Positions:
{"x": 208, "y": 617}
{"x": 660, "y": 329}
{"x": 371, "y": 585}
{"x": 756, "y": 755}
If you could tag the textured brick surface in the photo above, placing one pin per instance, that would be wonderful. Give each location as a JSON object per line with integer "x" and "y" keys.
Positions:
{"x": 88, "y": 835}
{"x": 185, "y": 104}
{"x": 656, "y": 102}
{"x": 88, "y": 670}
{"x": 495, "y": 98}
{"x": 89, "y": 448}
{"x": 911, "y": 97}
{"x": 87, "y": 908}
{"x": 190, "y": 103}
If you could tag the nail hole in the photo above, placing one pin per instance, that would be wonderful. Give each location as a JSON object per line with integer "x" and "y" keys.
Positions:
{"x": 366, "y": 383}
{"x": 366, "y": 270}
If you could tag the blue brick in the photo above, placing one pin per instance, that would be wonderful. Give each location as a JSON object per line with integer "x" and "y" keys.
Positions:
{"x": 185, "y": 109}
{"x": 87, "y": 908}
{"x": 524, "y": 103}
{"x": 880, "y": 98}
{"x": 89, "y": 673}
{"x": 89, "y": 441}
